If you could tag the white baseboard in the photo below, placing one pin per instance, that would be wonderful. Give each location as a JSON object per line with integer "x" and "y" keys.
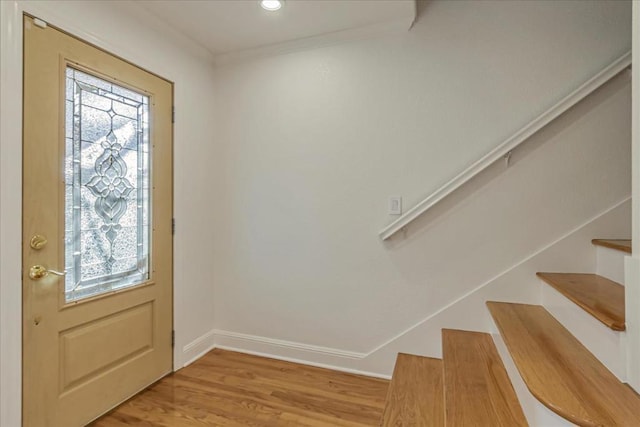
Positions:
{"x": 289, "y": 345}
{"x": 306, "y": 354}
{"x": 197, "y": 348}
{"x": 279, "y": 356}
{"x": 275, "y": 349}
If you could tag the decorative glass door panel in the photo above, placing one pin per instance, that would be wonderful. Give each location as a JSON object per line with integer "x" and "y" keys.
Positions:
{"x": 107, "y": 186}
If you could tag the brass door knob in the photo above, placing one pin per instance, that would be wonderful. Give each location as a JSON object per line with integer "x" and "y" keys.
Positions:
{"x": 38, "y": 271}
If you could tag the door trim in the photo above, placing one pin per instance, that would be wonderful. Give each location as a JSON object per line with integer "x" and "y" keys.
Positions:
{"x": 11, "y": 218}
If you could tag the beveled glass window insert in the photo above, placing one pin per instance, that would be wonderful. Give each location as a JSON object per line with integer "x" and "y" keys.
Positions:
{"x": 107, "y": 218}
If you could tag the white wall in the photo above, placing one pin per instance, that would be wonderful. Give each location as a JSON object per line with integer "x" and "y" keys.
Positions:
{"x": 122, "y": 29}
{"x": 632, "y": 263}
{"x": 311, "y": 144}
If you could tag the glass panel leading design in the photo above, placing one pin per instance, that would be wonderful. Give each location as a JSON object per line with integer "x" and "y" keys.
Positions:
{"x": 107, "y": 186}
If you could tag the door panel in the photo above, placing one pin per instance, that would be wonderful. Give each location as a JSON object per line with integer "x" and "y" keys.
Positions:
{"x": 129, "y": 333}
{"x": 103, "y": 332}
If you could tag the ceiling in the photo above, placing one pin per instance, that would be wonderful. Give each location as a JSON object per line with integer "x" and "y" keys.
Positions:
{"x": 226, "y": 26}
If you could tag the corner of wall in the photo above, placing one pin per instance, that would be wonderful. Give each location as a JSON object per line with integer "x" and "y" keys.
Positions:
{"x": 196, "y": 349}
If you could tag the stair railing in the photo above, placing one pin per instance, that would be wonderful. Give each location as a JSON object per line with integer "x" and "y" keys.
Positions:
{"x": 503, "y": 150}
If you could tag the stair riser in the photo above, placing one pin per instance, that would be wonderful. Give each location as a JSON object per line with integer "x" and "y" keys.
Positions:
{"x": 606, "y": 344}
{"x": 610, "y": 263}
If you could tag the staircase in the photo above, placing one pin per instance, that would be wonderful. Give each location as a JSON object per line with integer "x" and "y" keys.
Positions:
{"x": 568, "y": 352}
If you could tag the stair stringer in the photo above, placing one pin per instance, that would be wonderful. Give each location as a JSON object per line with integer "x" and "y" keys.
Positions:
{"x": 572, "y": 251}
{"x": 518, "y": 284}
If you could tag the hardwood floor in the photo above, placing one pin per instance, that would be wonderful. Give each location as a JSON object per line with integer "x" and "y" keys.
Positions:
{"x": 232, "y": 389}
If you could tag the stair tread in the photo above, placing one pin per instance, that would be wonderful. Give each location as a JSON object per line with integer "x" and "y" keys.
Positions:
{"x": 560, "y": 372}
{"x": 477, "y": 387}
{"x": 623, "y": 245}
{"x": 597, "y": 295}
{"x": 415, "y": 396}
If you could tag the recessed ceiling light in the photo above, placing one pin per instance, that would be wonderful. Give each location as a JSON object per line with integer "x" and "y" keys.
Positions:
{"x": 271, "y": 5}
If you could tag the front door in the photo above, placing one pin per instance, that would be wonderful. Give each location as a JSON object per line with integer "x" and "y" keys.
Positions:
{"x": 97, "y": 240}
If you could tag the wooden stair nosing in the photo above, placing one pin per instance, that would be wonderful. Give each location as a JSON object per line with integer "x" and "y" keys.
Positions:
{"x": 416, "y": 393}
{"x": 623, "y": 245}
{"x": 560, "y": 372}
{"x": 600, "y": 297}
{"x": 478, "y": 390}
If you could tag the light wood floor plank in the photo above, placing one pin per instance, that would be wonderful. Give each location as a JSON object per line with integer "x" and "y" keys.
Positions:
{"x": 232, "y": 389}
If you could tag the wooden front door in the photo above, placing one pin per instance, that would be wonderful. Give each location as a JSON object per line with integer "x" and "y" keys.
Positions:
{"x": 97, "y": 239}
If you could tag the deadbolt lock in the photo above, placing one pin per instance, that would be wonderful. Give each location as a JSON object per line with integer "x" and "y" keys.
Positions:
{"x": 38, "y": 241}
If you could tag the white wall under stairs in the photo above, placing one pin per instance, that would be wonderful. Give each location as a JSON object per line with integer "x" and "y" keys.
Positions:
{"x": 572, "y": 252}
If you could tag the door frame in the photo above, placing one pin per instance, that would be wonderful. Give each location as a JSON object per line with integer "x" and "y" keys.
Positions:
{"x": 11, "y": 15}
{"x": 632, "y": 263}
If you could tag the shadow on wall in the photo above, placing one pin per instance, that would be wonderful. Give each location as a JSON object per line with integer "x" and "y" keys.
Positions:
{"x": 421, "y": 9}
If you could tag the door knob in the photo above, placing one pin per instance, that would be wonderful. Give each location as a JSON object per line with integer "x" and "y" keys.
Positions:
{"x": 38, "y": 271}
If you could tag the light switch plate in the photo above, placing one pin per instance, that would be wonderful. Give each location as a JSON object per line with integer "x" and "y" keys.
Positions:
{"x": 395, "y": 205}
